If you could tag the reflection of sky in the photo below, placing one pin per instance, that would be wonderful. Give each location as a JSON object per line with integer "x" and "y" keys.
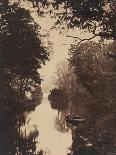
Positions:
{"x": 49, "y": 138}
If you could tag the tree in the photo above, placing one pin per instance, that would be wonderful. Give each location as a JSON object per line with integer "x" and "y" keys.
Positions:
{"x": 65, "y": 79}
{"x": 96, "y": 16}
{"x": 58, "y": 98}
{"x": 62, "y": 76}
{"x": 21, "y": 55}
{"x": 84, "y": 59}
{"x": 22, "y": 52}
{"x": 96, "y": 75}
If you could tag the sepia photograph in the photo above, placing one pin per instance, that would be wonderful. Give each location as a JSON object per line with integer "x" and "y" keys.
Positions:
{"x": 57, "y": 77}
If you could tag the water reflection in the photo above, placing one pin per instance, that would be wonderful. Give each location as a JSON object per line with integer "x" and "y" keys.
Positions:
{"x": 27, "y": 143}
{"x": 60, "y": 125}
{"x": 13, "y": 141}
{"x": 40, "y": 132}
{"x": 51, "y": 139}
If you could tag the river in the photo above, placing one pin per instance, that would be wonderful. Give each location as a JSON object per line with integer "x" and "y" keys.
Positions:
{"x": 50, "y": 139}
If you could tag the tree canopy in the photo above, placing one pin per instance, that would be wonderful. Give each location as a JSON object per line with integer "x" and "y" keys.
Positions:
{"x": 58, "y": 98}
{"x": 21, "y": 52}
{"x": 96, "y": 97}
{"x": 97, "y": 17}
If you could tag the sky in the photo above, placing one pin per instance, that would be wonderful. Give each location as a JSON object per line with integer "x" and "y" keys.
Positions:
{"x": 60, "y": 42}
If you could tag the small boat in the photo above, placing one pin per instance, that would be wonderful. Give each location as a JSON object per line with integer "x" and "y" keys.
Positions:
{"x": 73, "y": 119}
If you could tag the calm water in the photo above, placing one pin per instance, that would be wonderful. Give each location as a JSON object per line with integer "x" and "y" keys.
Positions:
{"x": 45, "y": 120}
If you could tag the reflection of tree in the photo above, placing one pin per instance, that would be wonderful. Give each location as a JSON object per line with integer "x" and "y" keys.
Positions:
{"x": 27, "y": 144}
{"x": 80, "y": 145}
{"x": 15, "y": 142}
{"x": 8, "y": 132}
{"x": 60, "y": 124}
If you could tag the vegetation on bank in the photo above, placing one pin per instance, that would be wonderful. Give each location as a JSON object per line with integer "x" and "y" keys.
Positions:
{"x": 94, "y": 69}
{"x": 89, "y": 84}
{"x": 58, "y": 99}
{"x": 92, "y": 86}
{"x": 22, "y": 54}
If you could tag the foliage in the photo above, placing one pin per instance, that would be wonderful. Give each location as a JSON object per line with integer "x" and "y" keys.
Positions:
{"x": 37, "y": 2}
{"x": 65, "y": 79}
{"x": 96, "y": 16}
{"x": 21, "y": 51}
{"x": 96, "y": 81}
{"x": 58, "y": 98}
{"x": 62, "y": 76}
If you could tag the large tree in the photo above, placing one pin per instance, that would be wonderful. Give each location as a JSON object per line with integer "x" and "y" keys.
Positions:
{"x": 21, "y": 50}
{"x": 96, "y": 74}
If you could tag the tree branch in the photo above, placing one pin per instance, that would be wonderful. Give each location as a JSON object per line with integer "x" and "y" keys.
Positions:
{"x": 74, "y": 37}
{"x": 81, "y": 40}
